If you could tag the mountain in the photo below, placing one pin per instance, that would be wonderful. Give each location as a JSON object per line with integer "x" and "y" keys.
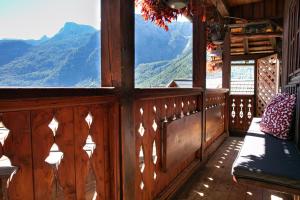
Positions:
{"x": 154, "y": 44}
{"x": 71, "y": 58}
{"x": 159, "y": 74}
{"x": 12, "y": 49}
{"x": 68, "y": 58}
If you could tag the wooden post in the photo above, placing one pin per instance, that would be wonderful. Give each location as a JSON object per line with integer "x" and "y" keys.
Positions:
{"x": 199, "y": 52}
{"x": 118, "y": 71}
{"x": 226, "y": 76}
{"x": 117, "y": 44}
{"x": 199, "y": 62}
{"x": 226, "y": 70}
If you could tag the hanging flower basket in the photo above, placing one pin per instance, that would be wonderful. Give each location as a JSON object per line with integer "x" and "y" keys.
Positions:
{"x": 161, "y": 12}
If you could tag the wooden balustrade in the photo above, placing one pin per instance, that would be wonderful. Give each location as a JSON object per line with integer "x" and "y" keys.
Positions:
{"x": 67, "y": 147}
{"x": 241, "y": 113}
{"x": 215, "y": 115}
{"x": 60, "y": 147}
{"x": 152, "y": 109}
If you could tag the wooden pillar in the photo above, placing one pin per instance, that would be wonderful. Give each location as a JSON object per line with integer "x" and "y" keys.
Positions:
{"x": 226, "y": 76}
{"x": 199, "y": 63}
{"x": 117, "y": 42}
{"x": 199, "y": 52}
{"x": 226, "y": 70}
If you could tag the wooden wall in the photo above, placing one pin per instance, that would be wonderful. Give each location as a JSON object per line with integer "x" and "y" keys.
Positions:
{"x": 291, "y": 56}
{"x": 266, "y": 9}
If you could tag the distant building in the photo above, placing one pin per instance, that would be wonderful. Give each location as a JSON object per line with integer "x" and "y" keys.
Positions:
{"x": 188, "y": 83}
{"x": 181, "y": 83}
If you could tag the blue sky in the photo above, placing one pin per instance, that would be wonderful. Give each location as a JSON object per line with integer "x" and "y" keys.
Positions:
{"x": 31, "y": 19}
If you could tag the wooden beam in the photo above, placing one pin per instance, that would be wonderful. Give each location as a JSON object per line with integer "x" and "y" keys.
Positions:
{"x": 246, "y": 46}
{"x": 199, "y": 52}
{"x": 236, "y": 36}
{"x": 226, "y": 71}
{"x": 259, "y": 43}
{"x": 249, "y": 56}
{"x": 273, "y": 42}
{"x": 260, "y": 48}
{"x": 118, "y": 71}
{"x": 221, "y": 7}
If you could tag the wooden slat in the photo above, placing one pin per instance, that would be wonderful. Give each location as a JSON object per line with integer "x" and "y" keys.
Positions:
{"x": 17, "y": 147}
{"x": 42, "y": 140}
{"x": 65, "y": 141}
{"x": 98, "y": 161}
{"x": 82, "y": 163}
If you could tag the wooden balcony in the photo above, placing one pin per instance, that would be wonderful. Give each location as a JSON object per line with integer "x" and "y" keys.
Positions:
{"x": 122, "y": 142}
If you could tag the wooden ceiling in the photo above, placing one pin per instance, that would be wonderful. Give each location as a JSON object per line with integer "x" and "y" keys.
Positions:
{"x": 240, "y": 2}
{"x": 255, "y": 25}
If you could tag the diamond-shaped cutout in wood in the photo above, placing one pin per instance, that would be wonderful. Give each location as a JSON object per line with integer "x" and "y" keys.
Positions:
{"x": 142, "y": 164}
{"x": 154, "y": 109}
{"x": 55, "y": 156}
{"x": 89, "y": 146}
{"x": 154, "y": 154}
{"x": 154, "y": 175}
{"x": 89, "y": 119}
{"x": 141, "y": 130}
{"x": 154, "y": 125}
{"x": 142, "y": 185}
{"x": 141, "y": 111}
{"x": 4, "y": 132}
{"x": 53, "y": 125}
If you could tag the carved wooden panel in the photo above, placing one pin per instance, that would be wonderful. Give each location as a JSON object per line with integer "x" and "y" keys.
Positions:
{"x": 57, "y": 152}
{"x": 180, "y": 138}
{"x": 241, "y": 112}
{"x": 215, "y": 116}
{"x": 267, "y": 82}
{"x": 149, "y": 114}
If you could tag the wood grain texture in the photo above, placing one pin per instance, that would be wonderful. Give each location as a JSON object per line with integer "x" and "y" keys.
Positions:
{"x": 180, "y": 138}
{"x": 17, "y": 148}
{"x": 42, "y": 140}
{"x": 76, "y": 176}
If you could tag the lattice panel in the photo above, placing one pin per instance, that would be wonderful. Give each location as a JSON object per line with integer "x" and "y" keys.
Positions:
{"x": 267, "y": 81}
{"x": 149, "y": 114}
{"x": 293, "y": 32}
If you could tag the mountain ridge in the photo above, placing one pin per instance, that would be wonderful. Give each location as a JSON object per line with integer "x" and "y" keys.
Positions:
{"x": 71, "y": 58}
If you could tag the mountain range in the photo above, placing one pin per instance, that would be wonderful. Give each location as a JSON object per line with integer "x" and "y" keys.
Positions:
{"x": 71, "y": 58}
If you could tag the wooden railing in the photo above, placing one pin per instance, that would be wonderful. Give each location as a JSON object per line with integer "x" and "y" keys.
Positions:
{"x": 68, "y": 146}
{"x": 241, "y": 113}
{"x": 152, "y": 108}
{"x": 215, "y": 115}
{"x": 59, "y": 147}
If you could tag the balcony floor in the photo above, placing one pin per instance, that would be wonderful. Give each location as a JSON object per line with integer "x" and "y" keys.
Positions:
{"x": 214, "y": 181}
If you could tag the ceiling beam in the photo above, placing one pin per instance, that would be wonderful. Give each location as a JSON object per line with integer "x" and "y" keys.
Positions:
{"x": 236, "y": 36}
{"x": 221, "y": 7}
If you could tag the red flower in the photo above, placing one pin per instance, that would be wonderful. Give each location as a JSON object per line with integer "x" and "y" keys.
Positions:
{"x": 158, "y": 12}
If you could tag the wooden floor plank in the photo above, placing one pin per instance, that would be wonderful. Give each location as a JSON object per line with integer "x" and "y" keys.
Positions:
{"x": 214, "y": 181}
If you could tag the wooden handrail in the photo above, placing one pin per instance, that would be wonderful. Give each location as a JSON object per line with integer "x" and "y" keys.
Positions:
{"x": 158, "y": 93}
{"x": 212, "y": 91}
{"x": 24, "y": 93}
{"x": 9, "y": 105}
